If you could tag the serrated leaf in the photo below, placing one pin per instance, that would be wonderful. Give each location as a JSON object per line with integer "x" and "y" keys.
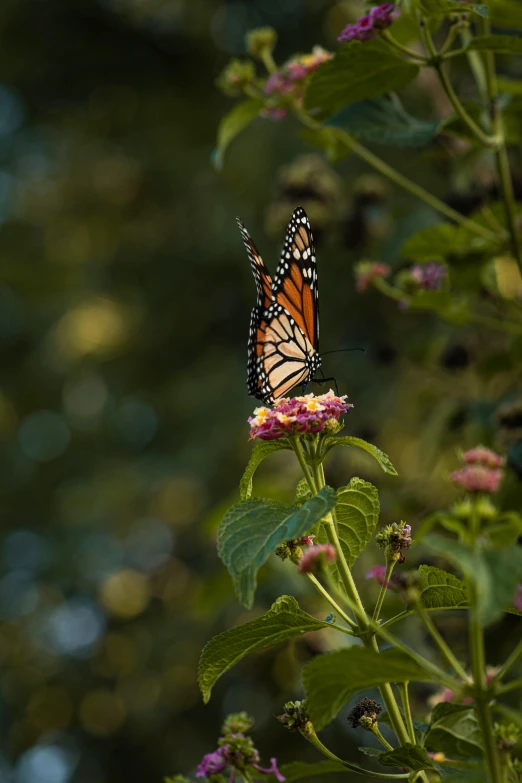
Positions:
{"x": 441, "y": 590}
{"x": 284, "y": 620}
{"x": 510, "y": 44}
{"x": 495, "y": 573}
{"x": 252, "y": 529}
{"x": 348, "y": 440}
{"x": 302, "y": 492}
{"x": 386, "y": 121}
{"x": 233, "y": 123}
{"x": 297, "y": 770}
{"x": 454, "y": 731}
{"x": 331, "y": 679}
{"x": 357, "y": 513}
{"x": 414, "y": 757}
{"x": 356, "y": 73}
{"x": 261, "y": 451}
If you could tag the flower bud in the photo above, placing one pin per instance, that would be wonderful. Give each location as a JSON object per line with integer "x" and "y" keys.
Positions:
{"x": 260, "y": 41}
{"x": 365, "y": 714}
{"x": 394, "y": 539}
{"x": 237, "y": 723}
{"x": 295, "y": 717}
{"x": 315, "y": 558}
{"x": 237, "y": 75}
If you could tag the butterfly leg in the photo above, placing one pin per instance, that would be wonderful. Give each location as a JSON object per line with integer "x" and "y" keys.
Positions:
{"x": 322, "y": 380}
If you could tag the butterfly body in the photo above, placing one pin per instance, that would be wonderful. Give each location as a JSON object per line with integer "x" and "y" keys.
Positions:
{"x": 283, "y": 341}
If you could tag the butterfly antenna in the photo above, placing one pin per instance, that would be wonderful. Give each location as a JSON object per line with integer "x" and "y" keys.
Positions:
{"x": 342, "y": 350}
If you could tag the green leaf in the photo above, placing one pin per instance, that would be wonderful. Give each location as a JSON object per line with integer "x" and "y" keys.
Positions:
{"x": 451, "y": 774}
{"x": 506, "y": 13}
{"x": 449, "y": 306}
{"x": 510, "y": 44}
{"x": 284, "y": 620}
{"x": 331, "y": 679}
{"x": 449, "y": 8}
{"x": 370, "y": 751}
{"x": 252, "y": 529}
{"x": 414, "y": 757}
{"x": 302, "y": 492}
{"x": 454, "y": 731}
{"x": 356, "y": 73}
{"x": 327, "y": 139}
{"x": 233, "y": 123}
{"x": 441, "y": 590}
{"x": 349, "y": 440}
{"x": 297, "y": 770}
{"x": 385, "y": 120}
{"x": 495, "y": 573}
{"x": 357, "y": 514}
{"x": 261, "y": 450}
{"x": 441, "y": 241}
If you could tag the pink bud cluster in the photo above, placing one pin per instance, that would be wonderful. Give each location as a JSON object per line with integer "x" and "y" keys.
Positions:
{"x": 482, "y": 471}
{"x": 428, "y": 276}
{"x": 379, "y": 18}
{"x": 297, "y": 416}
{"x": 315, "y": 557}
{"x": 368, "y": 271}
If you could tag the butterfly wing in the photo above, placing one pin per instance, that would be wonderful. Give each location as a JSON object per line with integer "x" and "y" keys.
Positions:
{"x": 257, "y": 321}
{"x": 295, "y": 284}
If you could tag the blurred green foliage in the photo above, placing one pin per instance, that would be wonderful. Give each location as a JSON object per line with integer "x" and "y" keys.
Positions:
{"x": 124, "y": 308}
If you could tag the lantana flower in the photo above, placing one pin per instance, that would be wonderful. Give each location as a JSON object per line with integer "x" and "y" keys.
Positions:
{"x": 379, "y": 18}
{"x": 315, "y": 557}
{"x": 289, "y": 80}
{"x": 482, "y": 471}
{"x": 298, "y": 416}
{"x": 428, "y": 277}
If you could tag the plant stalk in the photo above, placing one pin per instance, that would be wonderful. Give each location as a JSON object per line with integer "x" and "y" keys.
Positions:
{"x": 312, "y": 737}
{"x": 405, "y": 698}
{"x": 382, "y": 594}
{"x": 444, "y": 649}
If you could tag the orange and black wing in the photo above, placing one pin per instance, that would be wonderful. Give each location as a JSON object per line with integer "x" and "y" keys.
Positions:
{"x": 295, "y": 284}
{"x": 257, "y": 321}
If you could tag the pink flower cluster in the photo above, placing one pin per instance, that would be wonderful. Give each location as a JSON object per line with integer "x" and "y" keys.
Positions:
{"x": 368, "y": 271}
{"x": 315, "y": 557}
{"x": 289, "y": 80}
{"x": 378, "y": 572}
{"x": 482, "y": 471}
{"x": 297, "y": 416}
{"x": 217, "y": 762}
{"x": 428, "y": 276}
{"x": 379, "y": 18}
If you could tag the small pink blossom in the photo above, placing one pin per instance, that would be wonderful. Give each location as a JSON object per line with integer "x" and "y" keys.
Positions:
{"x": 315, "y": 557}
{"x": 368, "y": 271}
{"x": 428, "y": 276}
{"x": 211, "y": 764}
{"x": 480, "y": 455}
{"x": 307, "y": 540}
{"x": 517, "y": 600}
{"x": 378, "y": 572}
{"x": 379, "y": 18}
{"x": 297, "y": 416}
{"x": 477, "y": 478}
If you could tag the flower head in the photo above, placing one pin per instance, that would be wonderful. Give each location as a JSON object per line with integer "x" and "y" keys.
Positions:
{"x": 298, "y": 415}
{"x": 295, "y": 717}
{"x": 477, "y": 478}
{"x": 236, "y": 723}
{"x": 428, "y": 276}
{"x": 237, "y": 75}
{"x": 260, "y": 41}
{"x": 394, "y": 539}
{"x": 378, "y": 572}
{"x": 364, "y": 714}
{"x": 211, "y": 764}
{"x": 379, "y": 18}
{"x": 480, "y": 455}
{"x": 368, "y": 271}
{"x": 316, "y": 557}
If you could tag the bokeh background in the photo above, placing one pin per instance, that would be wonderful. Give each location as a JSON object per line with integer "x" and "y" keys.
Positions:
{"x": 124, "y": 307}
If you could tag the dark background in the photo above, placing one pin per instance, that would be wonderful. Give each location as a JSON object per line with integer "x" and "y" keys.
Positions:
{"x": 124, "y": 306}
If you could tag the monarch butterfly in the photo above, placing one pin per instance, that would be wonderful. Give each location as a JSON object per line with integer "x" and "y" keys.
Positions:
{"x": 283, "y": 342}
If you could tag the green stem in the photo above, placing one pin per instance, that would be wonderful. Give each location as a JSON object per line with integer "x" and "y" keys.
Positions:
{"x": 501, "y": 156}
{"x": 478, "y": 665}
{"x": 384, "y": 588}
{"x": 388, "y": 37}
{"x": 326, "y": 595}
{"x": 509, "y": 663}
{"x": 514, "y": 685}
{"x": 396, "y": 177}
{"x": 312, "y": 737}
{"x": 475, "y": 64}
{"x": 405, "y": 698}
{"x": 375, "y": 731}
{"x": 444, "y": 650}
